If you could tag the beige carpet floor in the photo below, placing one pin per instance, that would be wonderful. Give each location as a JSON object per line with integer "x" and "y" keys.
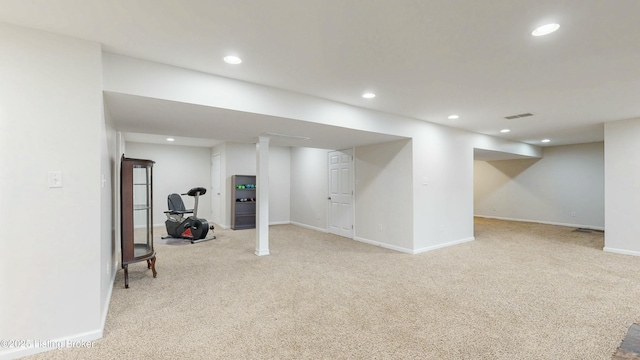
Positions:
{"x": 520, "y": 291}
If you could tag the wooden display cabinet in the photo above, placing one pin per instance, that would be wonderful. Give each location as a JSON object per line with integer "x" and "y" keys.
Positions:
{"x": 136, "y": 202}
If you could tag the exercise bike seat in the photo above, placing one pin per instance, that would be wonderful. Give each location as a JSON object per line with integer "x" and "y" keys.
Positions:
{"x": 176, "y": 206}
{"x": 196, "y": 191}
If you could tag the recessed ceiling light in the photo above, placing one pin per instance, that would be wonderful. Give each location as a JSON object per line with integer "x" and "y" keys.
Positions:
{"x": 545, "y": 29}
{"x": 505, "y": 130}
{"x": 545, "y": 140}
{"x": 368, "y": 95}
{"x": 171, "y": 139}
{"x": 234, "y": 60}
{"x": 452, "y": 117}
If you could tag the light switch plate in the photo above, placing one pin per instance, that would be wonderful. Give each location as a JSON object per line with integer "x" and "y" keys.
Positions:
{"x": 55, "y": 179}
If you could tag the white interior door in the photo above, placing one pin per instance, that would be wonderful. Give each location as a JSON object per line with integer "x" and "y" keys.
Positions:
{"x": 341, "y": 193}
{"x": 215, "y": 189}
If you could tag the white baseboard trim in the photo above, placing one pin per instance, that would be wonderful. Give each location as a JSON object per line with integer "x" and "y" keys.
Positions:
{"x": 280, "y": 223}
{"x": 80, "y": 340}
{"x": 220, "y": 226}
{"x": 440, "y": 246}
{"x": 308, "y": 226}
{"x": 105, "y": 311}
{"x": 386, "y": 246}
{"x": 544, "y": 222}
{"x": 621, "y": 251}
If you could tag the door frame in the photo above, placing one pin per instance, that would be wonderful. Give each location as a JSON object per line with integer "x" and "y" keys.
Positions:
{"x": 219, "y": 219}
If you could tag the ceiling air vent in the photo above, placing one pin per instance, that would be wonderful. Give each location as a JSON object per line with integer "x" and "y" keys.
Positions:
{"x": 517, "y": 116}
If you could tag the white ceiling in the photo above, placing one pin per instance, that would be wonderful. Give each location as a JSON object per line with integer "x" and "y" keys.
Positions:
{"x": 424, "y": 59}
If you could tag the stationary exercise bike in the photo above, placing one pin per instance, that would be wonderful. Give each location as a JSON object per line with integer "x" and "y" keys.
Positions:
{"x": 192, "y": 228}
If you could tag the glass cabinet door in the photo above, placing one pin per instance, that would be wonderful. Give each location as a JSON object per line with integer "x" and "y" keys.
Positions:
{"x": 142, "y": 221}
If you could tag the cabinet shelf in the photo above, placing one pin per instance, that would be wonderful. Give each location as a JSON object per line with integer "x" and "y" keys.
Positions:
{"x": 142, "y": 250}
{"x": 243, "y": 213}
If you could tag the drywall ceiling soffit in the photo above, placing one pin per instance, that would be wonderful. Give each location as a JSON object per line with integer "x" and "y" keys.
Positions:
{"x": 489, "y": 155}
{"x": 153, "y": 120}
{"x": 424, "y": 59}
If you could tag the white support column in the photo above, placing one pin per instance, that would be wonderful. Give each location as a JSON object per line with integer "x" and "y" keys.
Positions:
{"x": 262, "y": 196}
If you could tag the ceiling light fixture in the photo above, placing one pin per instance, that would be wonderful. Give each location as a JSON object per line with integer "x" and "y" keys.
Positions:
{"x": 545, "y": 140}
{"x": 171, "y": 139}
{"x": 453, "y": 117}
{"x": 233, "y": 60}
{"x": 368, "y": 95}
{"x": 505, "y": 130}
{"x": 545, "y": 29}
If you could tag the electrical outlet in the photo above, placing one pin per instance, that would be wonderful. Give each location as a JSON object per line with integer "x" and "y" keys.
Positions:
{"x": 573, "y": 214}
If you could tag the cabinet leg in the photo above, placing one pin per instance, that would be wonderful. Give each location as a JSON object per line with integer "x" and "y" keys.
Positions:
{"x": 126, "y": 276}
{"x": 153, "y": 266}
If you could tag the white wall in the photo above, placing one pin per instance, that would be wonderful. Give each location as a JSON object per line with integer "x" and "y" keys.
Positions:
{"x": 384, "y": 195}
{"x": 622, "y": 186}
{"x": 279, "y": 185}
{"x": 240, "y": 159}
{"x": 309, "y": 188}
{"x": 110, "y": 242}
{"x": 51, "y": 267}
{"x": 564, "y": 187}
{"x": 443, "y": 187}
{"x": 176, "y": 170}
